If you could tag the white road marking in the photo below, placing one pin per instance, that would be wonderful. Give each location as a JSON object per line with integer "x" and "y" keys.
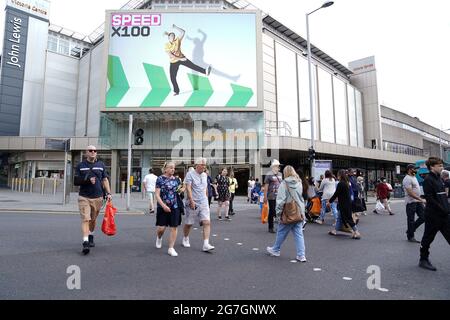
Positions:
{"x": 226, "y": 239}
{"x": 347, "y": 279}
{"x": 294, "y": 261}
{"x": 255, "y": 249}
{"x": 317, "y": 269}
{"x": 240, "y": 244}
{"x": 383, "y": 290}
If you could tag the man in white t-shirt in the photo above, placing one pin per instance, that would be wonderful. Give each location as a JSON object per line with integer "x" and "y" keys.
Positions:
{"x": 197, "y": 206}
{"x": 150, "y": 187}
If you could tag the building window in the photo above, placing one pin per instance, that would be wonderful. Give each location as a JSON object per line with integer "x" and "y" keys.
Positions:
{"x": 303, "y": 88}
{"x": 52, "y": 43}
{"x": 359, "y": 118}
{"x": 63, "y": 47}
{"x": 352, "y": 116}
{"x": 287, "y": 99}
{"x": 403, "y": 149}
{"x": 326, "y": 106}
{"x": 340, "y": 107}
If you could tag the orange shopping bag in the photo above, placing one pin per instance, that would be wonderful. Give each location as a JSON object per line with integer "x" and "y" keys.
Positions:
{"x": 109, "y": 225}
{"x": 265, "y": 213}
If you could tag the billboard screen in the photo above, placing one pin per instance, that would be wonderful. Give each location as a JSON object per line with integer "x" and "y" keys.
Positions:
{"x": 182, "y": 60}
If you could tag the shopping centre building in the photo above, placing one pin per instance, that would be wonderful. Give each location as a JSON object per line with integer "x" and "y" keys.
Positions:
{"x": 59, "y": 86}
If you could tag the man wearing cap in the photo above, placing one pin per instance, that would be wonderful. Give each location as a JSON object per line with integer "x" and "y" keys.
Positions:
{"x": 271, "y": 185}
{"x": 92, "y": 179}
{"x": 414, "y": 203}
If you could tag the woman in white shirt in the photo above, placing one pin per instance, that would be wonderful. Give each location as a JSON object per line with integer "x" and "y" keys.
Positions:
{"x": 328, "y": 188}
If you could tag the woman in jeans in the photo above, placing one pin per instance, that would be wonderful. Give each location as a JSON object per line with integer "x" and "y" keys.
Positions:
{"x": 290, "y": 189}
{"x": 327, "y": 188}
{"x": 343, "y": 195}
{"x": 168, "y": 212}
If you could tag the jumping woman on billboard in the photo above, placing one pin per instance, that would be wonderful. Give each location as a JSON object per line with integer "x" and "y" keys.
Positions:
{"x": 177, "y": 58}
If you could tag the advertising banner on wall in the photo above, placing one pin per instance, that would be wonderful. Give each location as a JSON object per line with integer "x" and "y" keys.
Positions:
{"x": 182, "y": 60}
{"x": 320, "y": 167}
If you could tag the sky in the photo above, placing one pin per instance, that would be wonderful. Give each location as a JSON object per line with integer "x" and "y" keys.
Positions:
{"x": 410, "y": 40}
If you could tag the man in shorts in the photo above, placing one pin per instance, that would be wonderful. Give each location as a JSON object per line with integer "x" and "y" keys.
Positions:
{"x": 197, "y": 207}
{"x": 92, "y": 179}
{"x": 150, "y": 187}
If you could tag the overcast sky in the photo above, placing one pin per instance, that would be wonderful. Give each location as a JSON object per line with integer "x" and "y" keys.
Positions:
{"x": 409, "y": 39}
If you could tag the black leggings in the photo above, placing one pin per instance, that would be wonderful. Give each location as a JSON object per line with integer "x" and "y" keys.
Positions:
{"x": 174, "y": 72}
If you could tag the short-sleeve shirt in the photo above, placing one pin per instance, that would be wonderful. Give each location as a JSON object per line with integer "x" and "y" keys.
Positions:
{"x": 410, "y": 182}
{"x": 199, "y": 185}
{"x": 175, "y": 49}
{"x": 150, "y": 182}
{"x": 274, "y": 182}
{"x": 168, "y": 192}
{"x": 87, "y": 170}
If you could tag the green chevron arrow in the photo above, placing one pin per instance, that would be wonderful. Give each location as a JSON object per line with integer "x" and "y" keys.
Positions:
{"x": 118, "y": 82}
{"x": 160, "y": 86}
{"x": 202, "y": 91}
{"x": 241, "y": 97}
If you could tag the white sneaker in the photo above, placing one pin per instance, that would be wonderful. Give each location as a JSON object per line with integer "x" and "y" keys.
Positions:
{"x": 186, "y": 243}
{"x": 302, "y": 259}
{"x": 172, "y": 252}
{"x": 272, "y": 252}
{"x": 158, "y": 243}
{"x": 208, "y": 248}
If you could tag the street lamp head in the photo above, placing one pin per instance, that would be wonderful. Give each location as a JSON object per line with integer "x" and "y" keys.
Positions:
{"x": 327, "y": 4}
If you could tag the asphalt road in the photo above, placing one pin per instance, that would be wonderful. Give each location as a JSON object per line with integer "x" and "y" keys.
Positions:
{"x": 37, "y": 249}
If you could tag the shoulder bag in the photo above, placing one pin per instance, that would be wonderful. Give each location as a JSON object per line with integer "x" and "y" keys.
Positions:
{"x": 291, "y": 212}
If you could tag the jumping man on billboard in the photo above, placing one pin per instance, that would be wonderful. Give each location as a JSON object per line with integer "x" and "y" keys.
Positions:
{"x": 177, "y": 58}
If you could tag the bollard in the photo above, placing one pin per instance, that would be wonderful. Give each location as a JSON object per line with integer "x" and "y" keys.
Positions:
{"x": 25, "y": 185}
{"x": 54, "y": 186}
{"x": 20, "y": 185}
{"x": 122, "y": 188}
{"x": 143, "y": 191}
{"x": 13, "y": 183}
{"x": 31, "y": 185}
{"x": 42, "y": 186}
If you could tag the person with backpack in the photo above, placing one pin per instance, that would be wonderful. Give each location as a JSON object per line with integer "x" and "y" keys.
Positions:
{"x": 290, "y": 191}
{"x": 91, "y": 177}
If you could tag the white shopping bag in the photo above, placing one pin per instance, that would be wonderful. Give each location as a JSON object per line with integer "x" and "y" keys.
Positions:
{"x": 379, "y": 207}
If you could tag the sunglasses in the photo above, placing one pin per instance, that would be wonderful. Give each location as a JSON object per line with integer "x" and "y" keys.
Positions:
{"x": 92, "y": 151}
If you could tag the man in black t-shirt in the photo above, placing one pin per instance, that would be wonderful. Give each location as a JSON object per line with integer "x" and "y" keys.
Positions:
{"x": 92, "y": 178}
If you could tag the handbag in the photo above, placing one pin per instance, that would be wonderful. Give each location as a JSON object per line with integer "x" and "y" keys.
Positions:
{"x": 109, "y": 225}
{"x": 291, "y": 212}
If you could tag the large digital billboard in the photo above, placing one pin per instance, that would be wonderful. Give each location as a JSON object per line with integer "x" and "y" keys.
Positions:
{"x": 182, "y": 60}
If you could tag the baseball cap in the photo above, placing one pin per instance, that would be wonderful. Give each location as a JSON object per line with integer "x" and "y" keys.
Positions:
{"x": 410, "y": 167}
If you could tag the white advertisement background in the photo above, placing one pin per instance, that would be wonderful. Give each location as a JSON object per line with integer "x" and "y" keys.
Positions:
{"x": 230, "y": 48}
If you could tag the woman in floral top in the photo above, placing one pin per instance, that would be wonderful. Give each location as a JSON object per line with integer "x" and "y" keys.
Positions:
{"x": 223, "y": 189}
{"x": 168, "y": 213}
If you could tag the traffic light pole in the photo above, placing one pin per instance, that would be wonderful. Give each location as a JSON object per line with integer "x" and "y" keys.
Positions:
{"x": 130, "y": 137}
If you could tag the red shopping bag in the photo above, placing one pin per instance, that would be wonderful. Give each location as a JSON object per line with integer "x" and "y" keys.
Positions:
{"x": 109, "y": 225}
{"x": 265, "y": 213}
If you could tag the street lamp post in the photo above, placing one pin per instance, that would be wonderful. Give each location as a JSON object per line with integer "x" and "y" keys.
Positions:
{"x": 311, "y": 98}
